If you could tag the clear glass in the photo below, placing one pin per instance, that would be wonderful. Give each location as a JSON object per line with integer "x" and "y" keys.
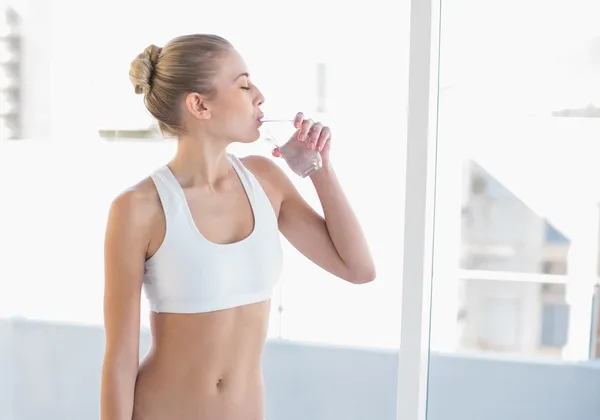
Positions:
{"x": 301, "y": 159}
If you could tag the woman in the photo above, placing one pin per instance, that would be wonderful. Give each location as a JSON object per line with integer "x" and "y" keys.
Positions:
{"x": 201, "y": 237}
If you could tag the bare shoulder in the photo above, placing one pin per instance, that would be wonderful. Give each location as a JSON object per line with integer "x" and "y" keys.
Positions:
{"x": 136, "y": 207}
{"x": 272, "y": 178}
{"x": 267, "y": 172}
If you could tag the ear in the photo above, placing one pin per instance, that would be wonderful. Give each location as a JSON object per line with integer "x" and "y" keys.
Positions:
{"x": 196, "y": 105}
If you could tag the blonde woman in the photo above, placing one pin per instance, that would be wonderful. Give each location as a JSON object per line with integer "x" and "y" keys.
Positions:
{"x": 201, "y": 237}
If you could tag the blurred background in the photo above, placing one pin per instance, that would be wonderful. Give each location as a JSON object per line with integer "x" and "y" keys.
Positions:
{"x": 515, "y": 328}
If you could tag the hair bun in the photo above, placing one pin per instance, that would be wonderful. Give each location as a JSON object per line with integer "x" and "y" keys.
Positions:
{"x": 142, "y": 69}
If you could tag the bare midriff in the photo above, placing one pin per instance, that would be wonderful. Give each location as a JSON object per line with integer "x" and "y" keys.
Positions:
{"x": 204, "y": 366}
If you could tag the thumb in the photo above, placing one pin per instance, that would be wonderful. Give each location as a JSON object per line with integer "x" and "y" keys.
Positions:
{"x": 276, "y": 152}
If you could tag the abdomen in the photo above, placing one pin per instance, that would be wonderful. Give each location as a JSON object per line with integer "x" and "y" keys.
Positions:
{"x": 204, "y": 366}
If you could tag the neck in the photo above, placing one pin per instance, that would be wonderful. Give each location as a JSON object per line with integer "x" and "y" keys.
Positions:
{"x": 200, "y": 161}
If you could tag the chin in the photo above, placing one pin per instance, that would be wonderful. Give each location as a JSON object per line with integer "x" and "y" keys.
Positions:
{"x": 254, "y": 137}
{"x": 247, "y": 140}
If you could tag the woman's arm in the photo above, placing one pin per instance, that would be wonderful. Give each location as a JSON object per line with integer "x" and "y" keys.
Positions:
{"x": 125, "y": 251}
{"x": 335, "y": 242}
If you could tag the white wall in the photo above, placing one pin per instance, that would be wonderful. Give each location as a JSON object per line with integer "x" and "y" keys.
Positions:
{"x": 56, "y": 376}
{"x": 6, "y": 370}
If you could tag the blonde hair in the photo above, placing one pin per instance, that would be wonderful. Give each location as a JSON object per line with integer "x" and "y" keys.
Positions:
{"x": 165, "y": 75}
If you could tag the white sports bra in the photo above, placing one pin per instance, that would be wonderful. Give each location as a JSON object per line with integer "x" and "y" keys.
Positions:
{"x": 190, "y": 274}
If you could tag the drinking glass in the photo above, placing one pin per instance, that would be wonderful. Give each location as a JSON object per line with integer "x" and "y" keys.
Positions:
{"x": 282, "y": 133}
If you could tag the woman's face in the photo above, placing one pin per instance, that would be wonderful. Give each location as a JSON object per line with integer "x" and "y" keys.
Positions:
{"x": 235, "y": 106}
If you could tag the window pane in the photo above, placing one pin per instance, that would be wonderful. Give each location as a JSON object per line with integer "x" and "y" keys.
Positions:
{"x": 516, "y": 221}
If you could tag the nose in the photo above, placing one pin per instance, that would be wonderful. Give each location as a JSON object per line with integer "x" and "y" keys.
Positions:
{"x": 260, "y": 99}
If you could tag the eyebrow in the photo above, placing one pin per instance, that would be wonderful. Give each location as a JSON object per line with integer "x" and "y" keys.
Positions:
{"x": 243, "y": 74}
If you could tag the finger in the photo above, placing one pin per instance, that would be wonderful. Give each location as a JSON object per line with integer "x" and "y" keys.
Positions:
{"x": 298, "y": 119}
{"x": 313, "y": 135}
{"x": 306, "y": 124}
{"x": 276, "y": 152}
{"x": 324, "y": 138}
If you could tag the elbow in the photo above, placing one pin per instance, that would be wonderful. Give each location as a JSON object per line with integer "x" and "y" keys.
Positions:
{"x": 362, "y": 276}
